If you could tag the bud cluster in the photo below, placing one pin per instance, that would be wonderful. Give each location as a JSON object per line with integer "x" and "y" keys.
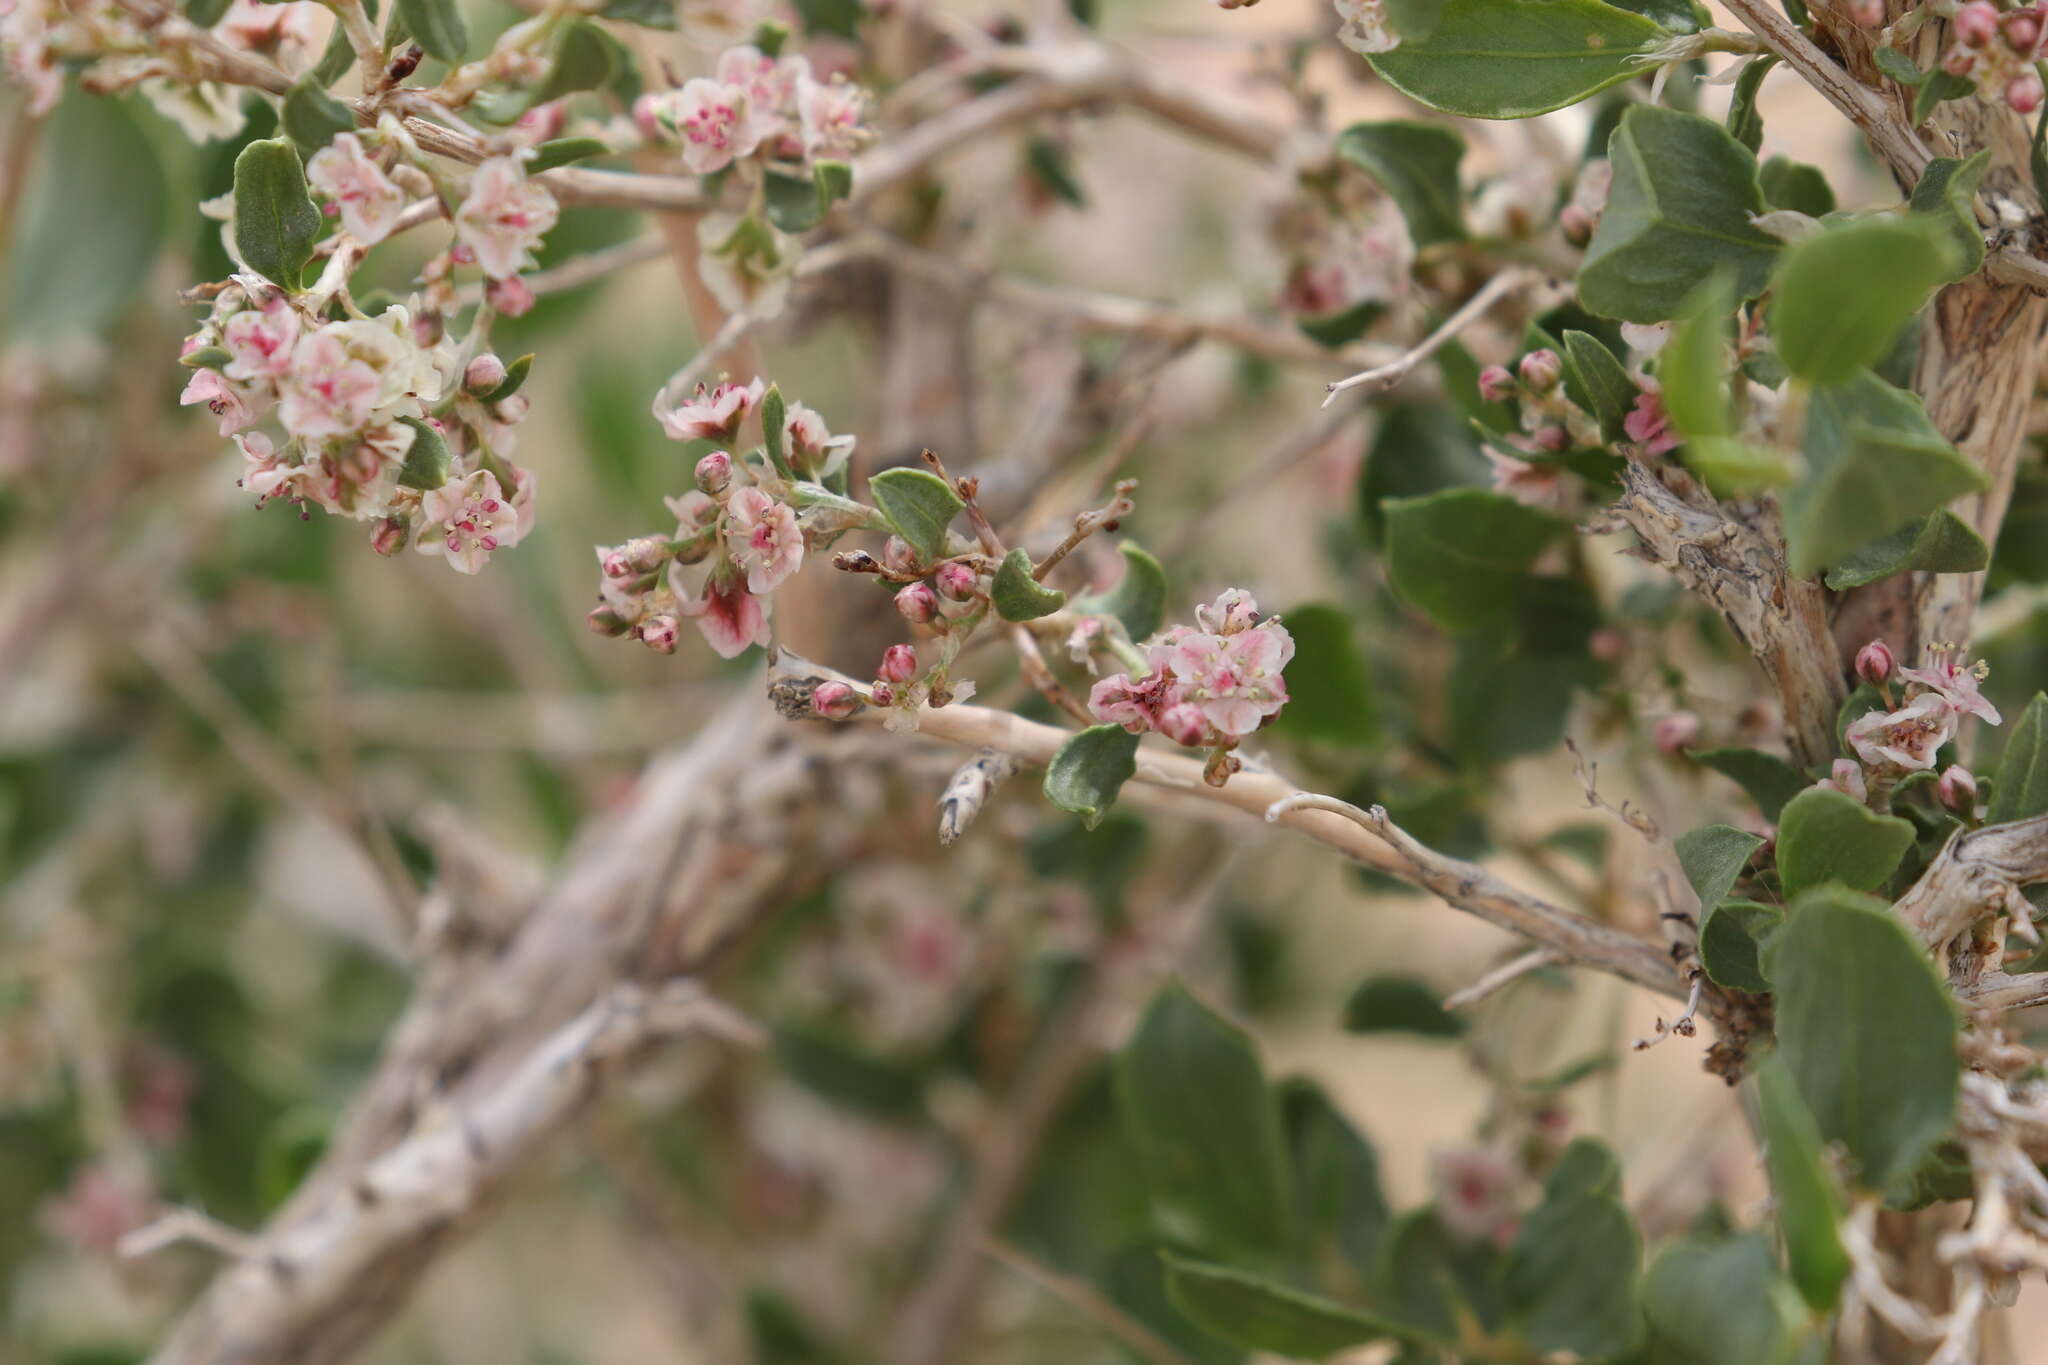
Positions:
{"x": 1997, "y": 52}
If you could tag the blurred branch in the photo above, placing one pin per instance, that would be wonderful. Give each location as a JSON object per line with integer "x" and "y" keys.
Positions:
{"x": 1507, "y": 282}
{"x": 1083, "y": 1297}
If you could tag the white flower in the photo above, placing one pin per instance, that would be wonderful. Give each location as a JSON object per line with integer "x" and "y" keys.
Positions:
{"x": 1906, "y": 738}
{"x": 504, "y": 217}
{"x": 830, "y": 114}
{"x": 468, "y": 518}
{"x": 207, "y": 112}
{"x": 1366, "y": 29}
{"x": 370, "y": 204}
{"x": 711, "y": 414}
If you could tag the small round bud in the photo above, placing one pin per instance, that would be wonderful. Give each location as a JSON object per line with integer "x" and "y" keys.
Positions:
{"x": 1606, "y": 645}
{"x": 647, "y": 117}
{"x": 955, "y": 581}
{"x": 1957, "y": 789}
{"x": 714, "y": 473}
{"x": 1576, "y": 224}
{"x": 898, "y": 557}
{"x": 510, "y": 296}
{"x": 1496, "y": 385}
{"x": 388, "y": 536}
{"x": 834, "y": 700}
{"x": 2023, "y": 93}
{"x": 899, "y": 664}
{"x": 1959, "y": 62}
{"x": 483, "y": 376}
{"x": 2022, "y": 30}
{"x": 917, "y": 603}
{"x": 1875, "y": 662}
{"x": 1676, "y": 733}
{"x": 1868, "y": 13}
{"x": 428, "y": 328}
{"x": 661, "y": 633}
{"x": 1552, "y": 440}
{"x": 1184, "y": 724}
{"x": 1542, "y": 370}
{"x": 604, "y": 619}
{"x": 1976, "y": 23}
{"x": 881, "y": 694}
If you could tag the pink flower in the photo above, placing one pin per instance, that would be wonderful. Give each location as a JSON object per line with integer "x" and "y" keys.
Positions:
{"x": 260, "y": 26}
{"x": 830, "y": 113}
{"x": 370, "y": 204}
{"x": 1235, "y": 679}
{"x": 504, "y": 217}
{"x": 330, "y": 390}
{"x": 259, "y": 341}
{"x": 730, "y": 617}
{"x": 807, "y": 436}
{"x": 1946, "y": 676}
{"x": 1906, "y": 738}
{"x": 765, "y": 538}
{"x": 1846, "y": 777}
{"x": 1475, "y": 1189}
{"x": 468, "y": 518}
{"x": 1528, "y": 483}
{"x": 267, "y": 476}
{"x": 1135, "y": 705}
{"x": 511, "y": 296}
{"x": 30, "y": 59}
{"x": 714, "y": 414}
{"x": 225, "y": 400}
{"x": 1648, "y": 425}
{"x": 1233, "y": 611}
{"x": 99, "y": 1207}
{"x": 714, "y": 121}
{"x": 769, "y": 82}
{"x": 1675, "y": 733}
{"x": 1184, "y": 724}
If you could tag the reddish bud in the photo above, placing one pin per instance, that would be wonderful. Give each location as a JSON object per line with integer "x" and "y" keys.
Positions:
{"x": 898, "y": 557}
{"x": 1959, "y": 61}
{"x": 1976, "y": 23}
{"x": 1868, "y": 13}
{"x": 1874, "y": 662}
{"x": 1576, "y": 224}
{"x": 1552, "y": 440}
{"x": 1183, "y": 724}
{"x": 1542, "y": 370}
{"x": 2023, "y": 93}
{"x": 1675, "y": 733}
{"x": 955, "y": 581}
{"x": 646, "y": 117}
{"x": 881, "y": 694}
{"x": 509, "y": 296}
{"x": 1957, "y": 790}
{"x": 660, "y": 633}
{"x": 484, "y": 375}
{"x": 899, "y": 664}
{"x": 2022, "y": 30}
{"x": 834, "y": 700}
{"x": 387, "y": 537}
{"x": 917, "y": 603}
{"x": 714, "y": 473}
{"x": 1496, "y": 385}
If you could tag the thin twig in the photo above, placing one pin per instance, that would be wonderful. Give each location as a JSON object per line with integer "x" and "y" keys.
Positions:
{"x": 1501, "y": 976}
{"x": 1393, "y": 372}
{"x": 1086, "y": 1300}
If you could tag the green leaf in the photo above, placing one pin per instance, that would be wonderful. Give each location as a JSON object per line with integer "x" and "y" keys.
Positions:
{"x": 1516, "y": 58}
{"x": 1723, "y": 1302}
{"x": 1139, "y": 598}
{"x": 1196, "y": 1108}
{"x": 1941, "y": 543}
{"x": 335, "y": 59}
{"x": 1867, "y": 1029}
{"x": 206, "y": 13}
{"x": 565, "y": 151}
{"x": 428, "y": 462}
{"x": 1051, "y": 164}
{"x": 1412, "y": 1280}
{"x": 312, "y": 118}
{"x": 1678, "y": 212}
{"x": 1694, "y": 365}
{"x": 1898, "y": 66}
{"x": 1417, "y": 450}
{"x": 1842, "y": 294}
{"x": 1463, "y": 555}
{"x": 834, "y": 180}
{"x": 1329, "y": 694}
{"x": 774, "y": 415}
{"x": 2022, "y": 787}
{"x": 1586, "y": 1166}
{"x": 1732, "y": 938}
{"x": 1939, "y": 88}
{"x": 515, "y": 377}
{"x": 1745, "y": 122}
{"x": 437, "y": 26}
{"x": 1415, "y": 20}
{"x": 1945, "y": 194}
{"x": 1874, "y": 463}
{"x": 1017, "y": 595}
{"x": 1828, "y": 836}
{"x": 840, "y": 17}
{"x": 827, "y": 1066}
{"x": 90, "y": 222}
{"x": 1809, "y": 1205}
{"x": 1794, "y": 185}
{"x": 794, "y": 204}
{"x": 646, "y": 13}
{"x": 1399, "y": 1004}
{"x": 1570, "y": 1279}
{"x": 1610, "y": 393}
{"x": 1342, "y": 1210}
{"x": 1417, "y": 165}
{"x": 1732, "y": 467}
{"x": 581, "y": 57}
{"x": 1089, "y": 770}
{"x": 276, "y": 223}
{"x": 1769, "y": 780}
{"x": 1713, "y": 857}
{"x": 919, "y": 505}
{"x": 1264, "y": 1315}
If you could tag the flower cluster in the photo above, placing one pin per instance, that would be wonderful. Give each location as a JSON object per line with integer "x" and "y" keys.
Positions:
{"x": 1908, "y": 737}
{"x": 1345, "y": 244}
{"x": 1205, "y": 687}
{"x": 1997, "y": 52}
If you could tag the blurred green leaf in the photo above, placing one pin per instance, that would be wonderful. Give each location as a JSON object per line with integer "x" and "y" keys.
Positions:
{"x": 1089, "y": 770}
{"x": 1399, "y": 1004}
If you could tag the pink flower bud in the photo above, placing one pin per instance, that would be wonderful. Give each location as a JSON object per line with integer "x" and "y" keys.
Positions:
{"x": 1676, "y": 732}
{"x": 714, "y": 473}
{"x": 1874, "y": 662}
{"x": 1576, "y": 224}
{"x": 2022, "y": 29}
{"x": 882, "y": 694}
{"x": 955, "y": 581}
{"x": 1957, "y": 789}
{"x": 646, "y": 117}
{"x": 1868, "y": 13}
{"x": 918, "y": 603}
{"x": 605, "y": 620}
{"x": 484, "y": 375}
{"x": 388, "y": 536}
{"x": 898, "y": 557}
{"x": 510, "y": 296}
{"x": 1554, "y": 440}
{"x": 1959, "y": 61}
{"x": 1976, "y": 23}
{"x": 2023, "y": 93}
{"x": 1606, "y": 645}
{"x": 1542, "y": 370}
{"x": 834, "y": 700}
{"x": 1496, "y": 385}
{"x": 899, "y": 664}
{"x": 1183, "y": 724}
{"x": 660, "y": 633}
